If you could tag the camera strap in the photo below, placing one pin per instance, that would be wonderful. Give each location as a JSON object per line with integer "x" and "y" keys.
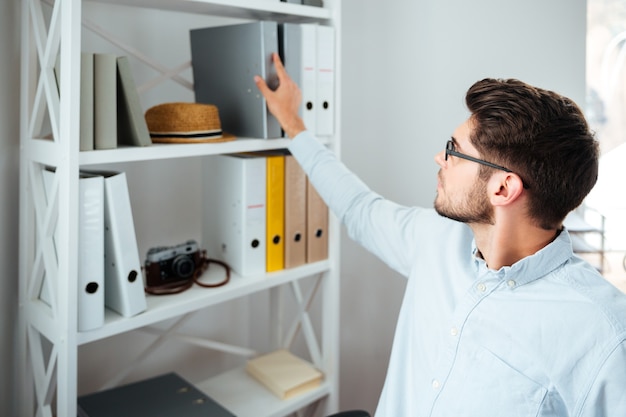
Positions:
{"x": 178, "y": 287}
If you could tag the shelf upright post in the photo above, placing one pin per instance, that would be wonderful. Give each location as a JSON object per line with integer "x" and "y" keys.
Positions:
{"x": 49, "y": 230}
{"x": 331, "y": 288}
{"x": 69, "y": 127}
{"x": 27, "y": 79}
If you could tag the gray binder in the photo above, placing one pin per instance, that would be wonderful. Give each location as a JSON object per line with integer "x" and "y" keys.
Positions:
{"x": 225, "y": 60}
{"x": 167, "y": 395}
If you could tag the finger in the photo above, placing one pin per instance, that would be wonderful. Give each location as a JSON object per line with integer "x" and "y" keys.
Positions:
{"x": 261, "y": 85}
{"x": 278, "y": 64}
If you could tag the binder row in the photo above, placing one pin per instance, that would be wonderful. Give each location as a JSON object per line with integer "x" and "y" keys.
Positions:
{"x": 261, "y": 214}
{"x": 110, "y": 109}
{"x": 224, "y": 58}
{"x": 109, "y": 268}
{"x": 307, "y": 50}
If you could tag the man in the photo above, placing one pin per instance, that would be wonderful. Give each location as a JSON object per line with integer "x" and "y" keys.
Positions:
{"x": 499, "y": 317}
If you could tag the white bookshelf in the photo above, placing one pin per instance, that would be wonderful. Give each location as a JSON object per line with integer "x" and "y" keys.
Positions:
{"x": 48, "y": 336}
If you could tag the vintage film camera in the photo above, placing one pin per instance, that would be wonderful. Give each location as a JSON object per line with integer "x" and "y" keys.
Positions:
{"x": 172, "y": 264}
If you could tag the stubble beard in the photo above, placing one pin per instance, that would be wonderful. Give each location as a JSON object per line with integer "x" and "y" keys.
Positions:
{"x": 473, "y": 208}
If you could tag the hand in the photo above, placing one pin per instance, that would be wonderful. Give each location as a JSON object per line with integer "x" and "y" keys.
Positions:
{"x": 284, "y": 102}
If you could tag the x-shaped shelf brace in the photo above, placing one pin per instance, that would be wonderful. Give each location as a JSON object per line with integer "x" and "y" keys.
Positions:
{"x": 43, "y": 276}
{"x": 301, "y": 321}
{"x": 166, "y": 73}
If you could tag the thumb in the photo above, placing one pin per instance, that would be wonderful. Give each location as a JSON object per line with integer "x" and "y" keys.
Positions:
{"x": 262, "y": 85}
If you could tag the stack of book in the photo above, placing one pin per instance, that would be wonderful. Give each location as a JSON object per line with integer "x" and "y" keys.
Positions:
{"x": 285, "y": 374}
{"x": 110, "y": 109}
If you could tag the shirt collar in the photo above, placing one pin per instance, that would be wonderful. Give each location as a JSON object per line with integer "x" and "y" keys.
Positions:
{"x": 531, "y": 267}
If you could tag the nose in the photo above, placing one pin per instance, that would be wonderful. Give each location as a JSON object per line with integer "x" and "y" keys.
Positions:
{"x": 440, "y": 158}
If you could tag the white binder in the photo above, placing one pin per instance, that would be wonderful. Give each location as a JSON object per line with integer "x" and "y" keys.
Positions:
{"x": 86, "y": 102}
{"x": 124, "y": 290}
{"x": 325, "y": 108}
{"x": 91, "y": 250}
{"x": 300, "y": 58}
{"x": 234, "y": 211}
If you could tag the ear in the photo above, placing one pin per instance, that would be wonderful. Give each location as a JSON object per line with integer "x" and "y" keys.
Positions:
{"x": 505, "y": 188}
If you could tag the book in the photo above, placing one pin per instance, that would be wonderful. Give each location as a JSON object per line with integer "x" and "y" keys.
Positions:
{"x": 86, "y": 102}
{"x": 132, "y": 128}
{"x": 105, "y": 101}
{"x": 285, "y": 374}
{"x": 166, "y": 395}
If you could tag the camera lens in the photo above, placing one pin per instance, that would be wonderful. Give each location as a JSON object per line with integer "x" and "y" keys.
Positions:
{"x": 183, "y": 266}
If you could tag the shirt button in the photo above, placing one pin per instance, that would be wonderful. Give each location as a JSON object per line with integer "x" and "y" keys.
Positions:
{"x": 436, "y": 384}
{"x": 481, "y": 287}
{"x": 510, "y": 283}
{"x": 454, "y": 331}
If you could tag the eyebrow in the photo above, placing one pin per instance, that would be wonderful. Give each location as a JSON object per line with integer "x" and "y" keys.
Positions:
{"x": 455, "y": 143}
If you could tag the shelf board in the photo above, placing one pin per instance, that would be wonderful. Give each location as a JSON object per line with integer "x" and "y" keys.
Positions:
{"x": 251, "y": 399}
{"x": 241, "y": 9}
{"x": 171, "y": 150}
{"x": 164, "y": 307}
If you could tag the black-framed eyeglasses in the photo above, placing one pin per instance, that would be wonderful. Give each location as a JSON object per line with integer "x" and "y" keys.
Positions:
{"x": 450, "y": 150}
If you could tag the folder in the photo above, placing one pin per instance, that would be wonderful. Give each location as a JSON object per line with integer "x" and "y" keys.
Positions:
{"x": 132, "y": 128}
{"x": 224, "y": 60}
{"x": 298, "y": 50}
{"x": 235, "y": 211}
{"x": 105, "y": 101}
{"x": 295, "y": 213}
{"x": 285, "y": 374}
{"x": 275, "y": 215}
{"x": 90, "y": 305}
{"x": 325, "y": 108}
{"x": 167, "y": 395}
{"x": 317, "y": 226}
{"x": 123, "y": 279}
{"x": 90, "y": 252}
{"x": 86, "y": 102}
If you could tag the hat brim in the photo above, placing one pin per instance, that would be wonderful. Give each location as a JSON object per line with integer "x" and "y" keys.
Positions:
{"x": 224, "y": 137}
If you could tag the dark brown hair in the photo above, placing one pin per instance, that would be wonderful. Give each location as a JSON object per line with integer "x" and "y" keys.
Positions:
{"x": 540, "y": 135}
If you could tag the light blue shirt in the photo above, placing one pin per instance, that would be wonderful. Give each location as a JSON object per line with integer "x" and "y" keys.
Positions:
{"x": 543, "y": 337}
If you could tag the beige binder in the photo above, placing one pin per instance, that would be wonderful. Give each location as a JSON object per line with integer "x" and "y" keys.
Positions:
{"x": 317, "y": 226}
{"x": 295, "y": 213}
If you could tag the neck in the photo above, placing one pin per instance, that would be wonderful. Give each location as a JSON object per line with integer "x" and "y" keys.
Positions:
{"x": 505, "y": 243}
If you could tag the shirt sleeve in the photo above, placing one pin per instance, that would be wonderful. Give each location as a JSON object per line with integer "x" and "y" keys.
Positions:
{"x": 384, "y": 228}
{"x": 607, "y": 394}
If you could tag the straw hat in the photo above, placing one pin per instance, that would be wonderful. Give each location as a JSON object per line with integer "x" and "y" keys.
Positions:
{"x": 185, "y": 123}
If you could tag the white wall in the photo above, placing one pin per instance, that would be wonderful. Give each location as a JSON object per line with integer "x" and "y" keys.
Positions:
{"x": 9, "y": 196}
{"x": 406, "y": 67}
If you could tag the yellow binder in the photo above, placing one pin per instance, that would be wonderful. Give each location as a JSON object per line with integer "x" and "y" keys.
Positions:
{"x": 275, "y": 220}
